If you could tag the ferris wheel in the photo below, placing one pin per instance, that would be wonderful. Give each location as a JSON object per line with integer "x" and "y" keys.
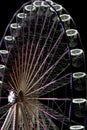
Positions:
{"x": 42, "y": 70}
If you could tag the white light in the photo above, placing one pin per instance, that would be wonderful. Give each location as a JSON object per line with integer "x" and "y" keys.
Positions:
{"x": 76, "y": 52}
{"x": 71, "y": 32}
{"x": 11, "y": 97}
{"x": 65, "y": 17}
{"x": 50, "y": 2}
{"x": 9, "y": 38}
{"x": 2, "y": 66}
{"x": 15, "y": 26}
{"x": 57, "y": 7}
{"x": 37, "y": 3}
{"x": 79, "y": 100}
{"x": 78, "y": 75}
{"x": 76, "y": 127}
{"x": 44, "y": 4}
{"x": 21, "y": 15}
{"x": 29, "y": 8}
{"x": 1, "y": 82}
{"x": 4, "y": 51}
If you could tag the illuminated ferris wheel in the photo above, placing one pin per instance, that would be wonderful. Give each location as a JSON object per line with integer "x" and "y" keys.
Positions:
{"x": 42, "y": 70}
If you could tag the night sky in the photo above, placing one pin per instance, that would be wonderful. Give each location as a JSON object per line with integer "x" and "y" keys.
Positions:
{"x": 75, "y": 8}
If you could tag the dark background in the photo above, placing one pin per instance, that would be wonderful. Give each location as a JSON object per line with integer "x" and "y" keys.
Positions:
{"x": 76, "y": 8}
